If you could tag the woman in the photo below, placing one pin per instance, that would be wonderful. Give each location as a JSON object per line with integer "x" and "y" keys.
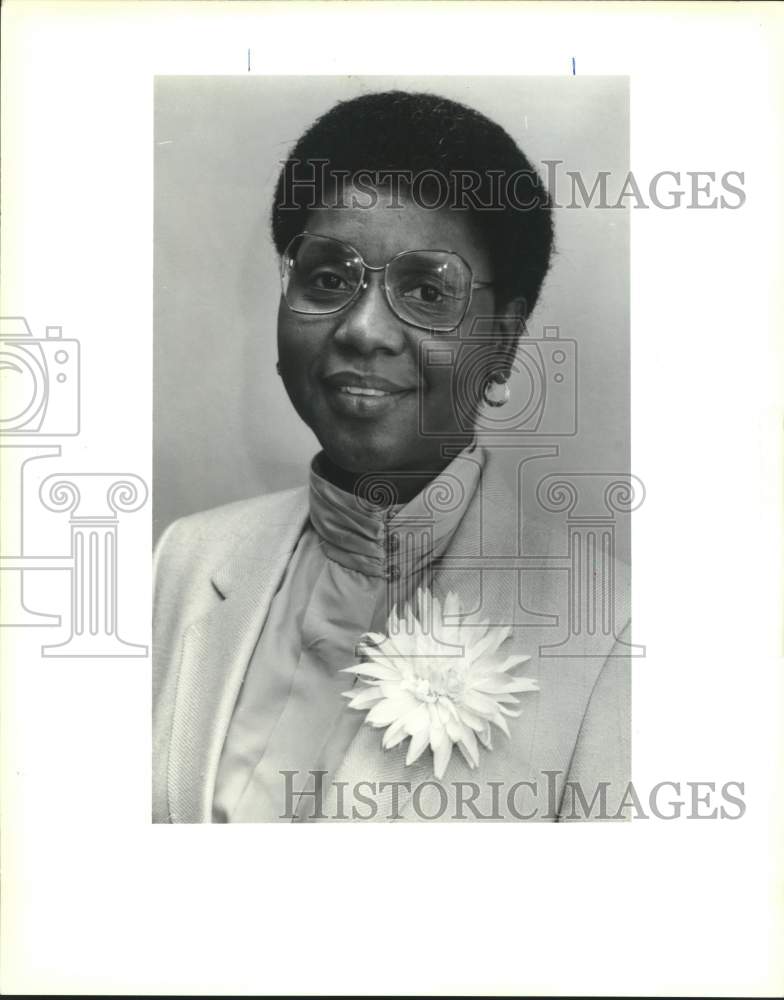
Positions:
{"x": 358, "y": 649}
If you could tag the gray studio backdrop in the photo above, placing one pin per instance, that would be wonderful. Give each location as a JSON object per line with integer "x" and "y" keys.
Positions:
{"x": 224, "y": 428}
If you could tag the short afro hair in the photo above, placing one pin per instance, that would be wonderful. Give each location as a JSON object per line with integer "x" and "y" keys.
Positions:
{"x": 417, "y": 133}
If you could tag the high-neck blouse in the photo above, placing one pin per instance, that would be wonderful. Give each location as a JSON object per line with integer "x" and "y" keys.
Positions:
{"x": 355, "y": 559}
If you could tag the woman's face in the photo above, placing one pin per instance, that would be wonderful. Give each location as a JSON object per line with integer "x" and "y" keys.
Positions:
{"x": 366, "y": 345}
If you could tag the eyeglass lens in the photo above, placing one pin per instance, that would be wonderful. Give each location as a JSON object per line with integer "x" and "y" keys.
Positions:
{"x": 427, "y": 288}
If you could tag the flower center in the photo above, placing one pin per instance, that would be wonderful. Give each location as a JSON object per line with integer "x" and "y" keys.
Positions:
{"x": 439, "y": 682}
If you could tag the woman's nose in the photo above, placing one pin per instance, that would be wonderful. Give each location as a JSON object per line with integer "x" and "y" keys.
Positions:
{"x": 368, "y": 324}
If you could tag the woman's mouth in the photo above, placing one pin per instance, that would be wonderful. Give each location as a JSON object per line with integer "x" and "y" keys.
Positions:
{"x": 359, "y": 394}
{"x": 356, "y": 390}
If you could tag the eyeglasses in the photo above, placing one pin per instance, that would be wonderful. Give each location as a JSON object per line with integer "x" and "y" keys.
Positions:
{"x": 428, "y": 289}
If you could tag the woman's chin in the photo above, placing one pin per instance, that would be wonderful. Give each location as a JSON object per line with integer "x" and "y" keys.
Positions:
{"x": 357, "y": 460}
{"x": 382, "y": 458}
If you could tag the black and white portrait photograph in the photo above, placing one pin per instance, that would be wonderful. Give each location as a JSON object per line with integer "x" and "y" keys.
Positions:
{"x": 402, "y": 330}
{"x": 391, "y": 498}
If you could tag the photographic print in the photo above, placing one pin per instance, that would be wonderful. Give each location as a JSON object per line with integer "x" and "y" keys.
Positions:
{"x": 395, "y": 313}
{"x": 390, "y": 495}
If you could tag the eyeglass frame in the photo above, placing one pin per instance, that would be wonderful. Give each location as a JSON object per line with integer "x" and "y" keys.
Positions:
{"x": 363, "y": 284}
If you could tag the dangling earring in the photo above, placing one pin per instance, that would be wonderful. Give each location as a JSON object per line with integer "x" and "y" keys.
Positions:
{"x": 277, "y": 367}
{"x": 496, "y": 390}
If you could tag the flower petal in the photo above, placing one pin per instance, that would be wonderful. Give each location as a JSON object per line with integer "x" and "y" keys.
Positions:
{"x": 442, "y": 710}
{"x": 499, "y": 721}
{"x": 393, "y": 735}
{"x": 395, "y": 689}
{"x": 417, "y": 720}
{"x": 493, "y": 684}
{"x": 455, "y": 729}
{"x": 452, "y": 709}
{"x": 385, "y": 712}
{"x": 424, "y": 605}
{"x": 486, "y": 737}
{"x": 438, "y": 736}
{"x": 469, "y": 748}
{"x": 451, "y": 605}
{"x": 511, "y": 661}
{"x": 441, "y": 756}
{"x": 486, "y": 644}
{"x": 391, "y": 652}
{"x": 417, "y": 746}
{"x": 525, "y": 684}
{"x": 380, "y": 654}
{"x": 375, "y": 669}
{"x": 470, "y": 719}
{"x": 363, "y": 699}
{"x": 480, "y": 704}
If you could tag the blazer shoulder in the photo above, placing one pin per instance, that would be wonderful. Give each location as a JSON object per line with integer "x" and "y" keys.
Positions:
{"x": 202, "y": 541}
{"x": 235, "y": 518}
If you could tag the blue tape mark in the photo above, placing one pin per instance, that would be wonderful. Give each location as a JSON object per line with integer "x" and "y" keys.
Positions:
{"x": 574, "y": 68}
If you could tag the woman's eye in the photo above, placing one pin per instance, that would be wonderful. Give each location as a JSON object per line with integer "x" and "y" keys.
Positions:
{"x": 329, "y": 281}
{"x": 426, "y": 293}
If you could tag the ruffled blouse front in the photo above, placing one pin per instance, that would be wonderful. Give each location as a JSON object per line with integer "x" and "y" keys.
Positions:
{"x": 351, "y": 564}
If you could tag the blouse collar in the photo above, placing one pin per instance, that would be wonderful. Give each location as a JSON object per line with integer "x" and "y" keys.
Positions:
{"x": 394, "y": 540}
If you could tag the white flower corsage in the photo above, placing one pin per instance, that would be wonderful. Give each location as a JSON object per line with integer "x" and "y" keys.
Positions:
{"x": 411, "y": 688}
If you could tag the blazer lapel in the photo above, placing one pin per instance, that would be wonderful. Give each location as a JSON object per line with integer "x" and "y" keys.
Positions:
{"x": 216, "y": 652}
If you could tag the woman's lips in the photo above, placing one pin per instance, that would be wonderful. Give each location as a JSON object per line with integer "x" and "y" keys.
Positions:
{"x": 359, "y": 394}
{"x": 348, "y": 378}
{"x": 356, "y": 390}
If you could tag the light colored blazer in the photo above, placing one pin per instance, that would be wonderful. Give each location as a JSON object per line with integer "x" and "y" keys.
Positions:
{"x": 215, "y": 575}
